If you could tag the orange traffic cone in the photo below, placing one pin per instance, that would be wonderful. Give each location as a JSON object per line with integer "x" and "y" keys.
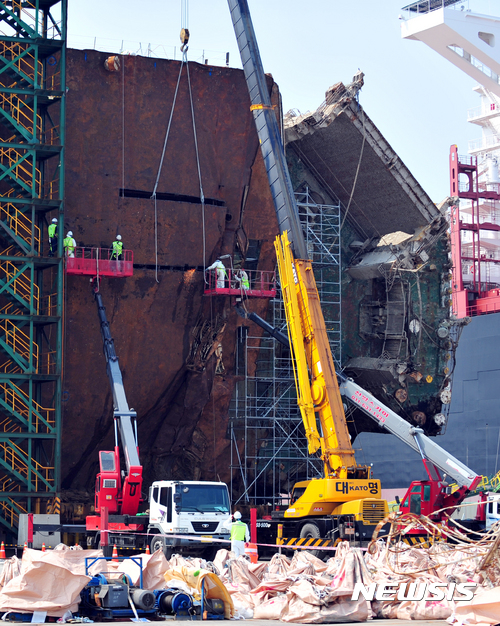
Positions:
{"x": 148, "y": 551}
{"x": 25, "y": 546}
{"x": 115, "y": 554}
{"x": 2, "y": 551}
{"x": 251, "y": 552}
{"x": 43, "y": 547}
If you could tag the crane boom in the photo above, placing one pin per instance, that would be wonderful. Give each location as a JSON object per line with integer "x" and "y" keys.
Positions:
{"x": 121, "y": 411}
{"x": 317, "y": 385}
{"x": 110, "y": 492}
{"x": 410, "y": 435}
{"x": 314, "y": 369}
{"x": 267, "y": 129}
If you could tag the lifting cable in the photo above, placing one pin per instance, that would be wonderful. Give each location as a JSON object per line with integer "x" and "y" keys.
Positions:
{"x": 184, "y": 49}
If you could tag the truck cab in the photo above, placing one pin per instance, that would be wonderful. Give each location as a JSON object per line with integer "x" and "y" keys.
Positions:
{"x": 492, "y": 510}
{"x": 187, "y": 515}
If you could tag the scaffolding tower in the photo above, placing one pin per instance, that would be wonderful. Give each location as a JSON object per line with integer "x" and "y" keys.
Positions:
{"x": 32, "y": 107}
{"x": 268, "y": 444}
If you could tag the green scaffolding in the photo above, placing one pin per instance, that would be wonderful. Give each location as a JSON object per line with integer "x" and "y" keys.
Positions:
{"x": 32, "y": 127}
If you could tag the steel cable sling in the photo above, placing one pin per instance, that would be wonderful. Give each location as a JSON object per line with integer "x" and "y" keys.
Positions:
{"x": 184, "y": 48}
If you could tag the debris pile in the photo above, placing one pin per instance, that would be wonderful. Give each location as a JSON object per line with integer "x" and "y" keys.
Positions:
{"x": 389, "y": 580}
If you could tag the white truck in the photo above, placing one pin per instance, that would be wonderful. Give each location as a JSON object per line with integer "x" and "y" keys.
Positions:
{"x": 188, "y": 515}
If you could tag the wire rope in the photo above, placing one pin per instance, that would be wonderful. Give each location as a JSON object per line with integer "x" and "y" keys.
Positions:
{"x": 357, "y": 172}
{"x": 153, "y": 196}
{"x": 202, "y": 197}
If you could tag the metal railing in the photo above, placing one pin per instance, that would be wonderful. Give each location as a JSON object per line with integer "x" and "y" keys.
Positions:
{"x": 427, "y": 6}
{"x": 19, "y": 342}
{"x": 48, "y": 305}
{"x": 485, "y": 143}
{"x": 16, "y": 458}
{"x": 19, "y": 402}
{"x": 9, "y": 513}
{"x": 259, "y": 282}
{"x": 20, "y": 284}
{"x": 20, "y": 224}
{"x": 22, "y": 114}
{"x": 99, "y": 261}
{"x": 483, "y": 111}
{"x": 16, "y": 163}
{"x": 24, "y": 61}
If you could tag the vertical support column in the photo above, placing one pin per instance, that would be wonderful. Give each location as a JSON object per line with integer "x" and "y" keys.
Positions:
{"x": 33, "y": 51}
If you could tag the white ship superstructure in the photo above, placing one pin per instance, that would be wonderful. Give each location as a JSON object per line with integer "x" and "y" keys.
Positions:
{"x": 463, "y": 33}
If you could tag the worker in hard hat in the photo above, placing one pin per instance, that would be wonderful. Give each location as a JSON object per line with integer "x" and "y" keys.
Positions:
{"x": 220, "y": 272}
{"x": 116, "y": 255}
{"x": 69, "y": 245}
{"x": 52, "y": 232}
{"x": 240, "y": 535}
{"x": 242, "y": 277}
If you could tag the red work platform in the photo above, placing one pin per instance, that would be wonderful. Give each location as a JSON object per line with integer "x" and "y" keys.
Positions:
{"x": 98, "y": 262}
{"x": 262, "y": 284}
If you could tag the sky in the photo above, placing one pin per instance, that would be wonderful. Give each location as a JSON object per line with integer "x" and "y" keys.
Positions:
{"x": 416, "y": 98}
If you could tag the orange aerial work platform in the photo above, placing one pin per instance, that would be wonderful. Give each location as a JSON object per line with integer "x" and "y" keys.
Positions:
{"x": 261, "y": 284}
{"x": 98, "y": 262}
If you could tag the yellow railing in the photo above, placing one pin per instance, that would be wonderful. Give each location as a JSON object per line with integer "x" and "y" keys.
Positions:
{"x": 18, "y": 401}
{"x": 12, "y": 159}
{"x": 495, "y": 481}
{"x": 22, "y": 113}
{"x": 9, "y": 513}
{"x": 21, "y": 284}
{"x": 487, "y": 483}
{"x": 26, "y": 11}
{"x": 48, "y": 304}
{"x": 51, "y": 136}
{"x": 20, "y": 224}
{"x": 11, "y": 367}
{"x": 19, "y": 341}
{"x": 7, "y": 425}
{"x": 16, "y": 458}
{"x": 53, "y": 82}
{"x": 7, "y": 483}
{"x": 24, "y": 60}
{"x": 12, "y": 250}
{"x": 11, "y": 308}
{"x": 51, "y": 190}
{"x": 47, "y": 363}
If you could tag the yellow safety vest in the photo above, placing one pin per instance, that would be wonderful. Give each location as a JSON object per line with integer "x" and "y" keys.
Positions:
{"x": 238, "y": 531}
{"x": 117, "y": 248}
{"x": 68, "y": 244}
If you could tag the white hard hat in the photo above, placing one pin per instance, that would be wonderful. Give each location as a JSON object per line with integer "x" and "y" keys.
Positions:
{"x": 70, "y": 233}
{"x": 54, "y": 220}
{"x": 119, "y": 237}
{"x": 237, "y": 515}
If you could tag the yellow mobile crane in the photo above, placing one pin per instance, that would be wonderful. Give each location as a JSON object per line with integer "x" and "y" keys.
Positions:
{"x": 346, "y": 494}
{"x": 346, "y": 502}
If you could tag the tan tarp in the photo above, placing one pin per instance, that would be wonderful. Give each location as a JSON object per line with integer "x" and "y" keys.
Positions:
{"x": 483, "y": 609}
{"x": 153, "y": 568}
{"x": 49, "y": 581}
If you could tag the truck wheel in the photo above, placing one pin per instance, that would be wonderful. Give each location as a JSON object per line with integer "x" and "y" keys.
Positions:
{"x": 310, "y": 531}
{"x": 160, "y": 542}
